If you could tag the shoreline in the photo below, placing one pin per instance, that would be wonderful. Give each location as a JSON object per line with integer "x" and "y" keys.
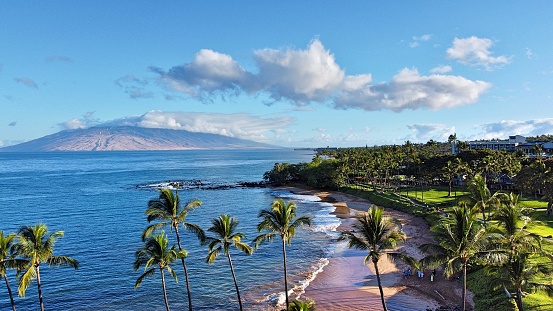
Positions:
{"x": 346, "y": 284}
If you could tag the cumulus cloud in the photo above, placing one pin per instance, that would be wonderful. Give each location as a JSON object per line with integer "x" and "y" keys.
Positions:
{"x": 426, "y": 132}
{"x": 239, "y": 125}
{"x": 441, "y": 69}
{"x": 85, "y": 121}
{"x": 27, "y": 82}
{"x": 209, "y": 72}
{"x": 409, "y": 90}
{"x": 505, "y": 128}
{"x": 303, "y": 76}
{"x": 299, "y": 75}
{"x": 476, "y": 52}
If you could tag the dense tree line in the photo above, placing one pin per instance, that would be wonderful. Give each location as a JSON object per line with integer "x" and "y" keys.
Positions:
{"x": 408, "y": 165}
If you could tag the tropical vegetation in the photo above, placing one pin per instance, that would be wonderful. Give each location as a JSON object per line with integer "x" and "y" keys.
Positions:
{"x": 377, "y": 234}
{"x": 224, "y": 228}
{"x": 281, "y": 221}
{"x": 167, "y": 211}
{"x": 36, "y": 246}
{"x": 156, "y": 251}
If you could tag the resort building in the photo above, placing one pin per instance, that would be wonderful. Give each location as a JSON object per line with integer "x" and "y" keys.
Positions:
{"x": 513, "y": 144}
{"x": 509, "y": 145}
{"x": 530, "y": 149}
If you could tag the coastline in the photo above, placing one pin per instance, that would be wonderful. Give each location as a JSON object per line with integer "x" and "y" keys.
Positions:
{"x": 346, "y": 284}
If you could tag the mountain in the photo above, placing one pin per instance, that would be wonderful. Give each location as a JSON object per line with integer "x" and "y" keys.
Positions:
{"x": 132, "y": 138}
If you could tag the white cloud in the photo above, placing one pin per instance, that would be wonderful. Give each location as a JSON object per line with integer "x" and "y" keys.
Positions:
{"x": 209, "y": 72}
{"x": 299, "y": 75}
{"x": 312, "y": 75}
{"x": 475, "y": 51}
{"x": 441, "y": 69}
{"x": 503, "y": 129}
{"x": 239, "y": 125}
{"x": 85, "y": 121}
{"x": 417, "y": 40}
{"x": 409, "y": 90}
{"x": 529, "y": 53}
{"x": 425, "y": 132}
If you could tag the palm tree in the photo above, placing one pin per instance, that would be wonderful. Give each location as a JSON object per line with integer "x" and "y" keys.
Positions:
{"x": 280, "y": 220}
{"x": 156, "y": 251}
{"x": 7, "y": 260}
{"x": 168, "y": 211}
{"x": 37, "y": 246}
{"x": 460, "y": 239}
{"x": 376, "y": 234}
{"x": 518, "y": 251}
{"x": 481, "y": 195}
{"x": 298, "y": 305}
{"x": 224, "y": 228}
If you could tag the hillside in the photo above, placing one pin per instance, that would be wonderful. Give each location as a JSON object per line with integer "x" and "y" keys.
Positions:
{"x": 132, "y": 138}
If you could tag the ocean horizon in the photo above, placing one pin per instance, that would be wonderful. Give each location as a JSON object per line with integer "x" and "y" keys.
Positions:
{"x": 98, "y": 199}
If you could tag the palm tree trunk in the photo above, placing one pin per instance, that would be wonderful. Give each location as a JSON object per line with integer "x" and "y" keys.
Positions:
{"x": 518, "y": 300}
{"x": 235, "y": 283}
{"x": 380, "y": 285}
{"x": 9, "y": 291}
{"x": 185, "y": 271}
{"x": 464, "y": 293}
{"x": 164, "y": 289}
{"x": 39, "y": 288}
{"x": 285, "y": 278}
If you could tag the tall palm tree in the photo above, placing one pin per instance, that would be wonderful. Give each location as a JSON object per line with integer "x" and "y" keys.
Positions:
{"x": 375, "y": 233}
{"x": 167, "y": 211}
{"x": 481, "y": 195}
{"x": 37, "y": 246}
{"x": 280, "y": 220}
{"x": 7, "y": 260}
{"x": 518, "y": 251}
{"x": 460, "y": 239}
{"x": 224, "y": 227}
{"x": 156, "y": 251}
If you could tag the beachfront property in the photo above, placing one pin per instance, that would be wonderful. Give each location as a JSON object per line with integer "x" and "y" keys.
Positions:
{"x": 510, "y": 144}
{"x": 513, "y": 144}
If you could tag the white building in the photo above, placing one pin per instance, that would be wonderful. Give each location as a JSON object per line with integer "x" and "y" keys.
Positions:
{"x": 509, "y": 145}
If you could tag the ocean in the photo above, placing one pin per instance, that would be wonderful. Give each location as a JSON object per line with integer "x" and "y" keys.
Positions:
{"x": 98, "y": 199}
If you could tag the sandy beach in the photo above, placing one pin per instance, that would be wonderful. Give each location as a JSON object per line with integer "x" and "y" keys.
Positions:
{"x": 346, "y": 284}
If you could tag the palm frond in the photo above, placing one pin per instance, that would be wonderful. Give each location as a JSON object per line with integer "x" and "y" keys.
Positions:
{"x": 144, "y": 275}
{"x": 263, "y": 237}
{"x": 25, "y": 280}
{"x": 63, "y": 261}
{"x": 152, "y": 228}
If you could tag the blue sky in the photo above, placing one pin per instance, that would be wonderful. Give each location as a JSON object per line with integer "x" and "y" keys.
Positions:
{"x": 290, "y": 73}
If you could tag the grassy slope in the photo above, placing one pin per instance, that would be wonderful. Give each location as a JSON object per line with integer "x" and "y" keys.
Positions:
{"x": 430, "y": 202}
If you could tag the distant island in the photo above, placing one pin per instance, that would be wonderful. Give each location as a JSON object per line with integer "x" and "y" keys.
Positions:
{"x": 130, "y": 138}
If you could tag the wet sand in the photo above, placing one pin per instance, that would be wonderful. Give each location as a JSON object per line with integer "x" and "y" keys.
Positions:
{"x": 347, "y": 284}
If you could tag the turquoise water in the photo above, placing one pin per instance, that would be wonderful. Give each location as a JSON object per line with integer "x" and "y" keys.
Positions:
{"x": 99, "y": 199}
